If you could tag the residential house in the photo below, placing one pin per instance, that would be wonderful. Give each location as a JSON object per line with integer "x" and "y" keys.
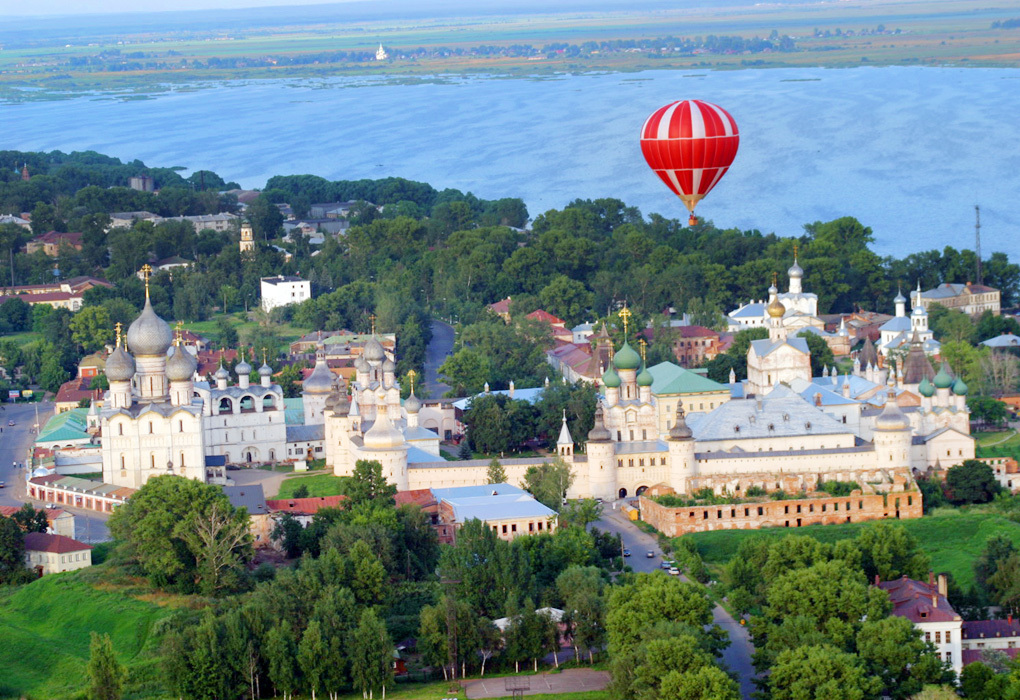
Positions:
{"x": 970, "y": 298}
{"x": 284, "y": 290}
{"x": 55, "y": 554}
{"x": 926, "y": 605}
{"x": 59, "y": 522}
{"x": 260, "y": 517}
{"x": 510, "y": 511}
{"x": 50, "y": 242}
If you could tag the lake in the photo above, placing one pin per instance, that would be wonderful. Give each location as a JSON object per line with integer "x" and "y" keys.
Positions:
{"x": 908, "y": 151}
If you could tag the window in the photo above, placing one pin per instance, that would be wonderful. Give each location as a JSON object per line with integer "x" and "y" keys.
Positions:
{"x": 949, "y": 657}
{"x": 150, "y": 427}
{"x": 513, "y": 527}
{"x": 938, "y": 637}
{"x": 927, "y": 635}
{"x": 641, "y": 462}
{"x": 948, "y": 638}
{"x": 504, "y": 529}
{"x": 540, "y": 526}
{"x": 152, "y": 461}
{"x": 120, "y": 428}
{"x": 122, "y": 465}
{"x": 180, "y": 426}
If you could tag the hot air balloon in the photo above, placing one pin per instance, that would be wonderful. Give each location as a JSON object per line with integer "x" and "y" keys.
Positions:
{"x": 690, "y": 144}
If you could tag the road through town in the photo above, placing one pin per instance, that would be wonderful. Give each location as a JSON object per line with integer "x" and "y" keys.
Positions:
{"x": 738, "y": 655}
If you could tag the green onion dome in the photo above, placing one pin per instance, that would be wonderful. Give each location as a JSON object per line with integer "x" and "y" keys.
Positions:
{"x": 611, "y": 379}
{"x": 959, "y": 388}
{"x": 644, "y": 377}
{"x": 926, "y": 388}
{"x": 627, "y": 358}
{"x": 943, "y": 380}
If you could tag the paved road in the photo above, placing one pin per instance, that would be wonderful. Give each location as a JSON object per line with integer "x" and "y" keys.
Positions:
{"x": 738, "y": 655}
{"x": 14, "y": 445}
{"x": 435, "y": 355}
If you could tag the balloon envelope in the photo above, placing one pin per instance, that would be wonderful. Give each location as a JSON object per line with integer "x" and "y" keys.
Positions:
{"x": 690, "y": 145}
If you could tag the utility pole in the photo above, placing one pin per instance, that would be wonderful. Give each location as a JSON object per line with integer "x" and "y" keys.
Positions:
{"x": 977, "y": 242}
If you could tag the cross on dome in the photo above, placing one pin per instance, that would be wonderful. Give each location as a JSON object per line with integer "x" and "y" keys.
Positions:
{"x": 625, "y": 315}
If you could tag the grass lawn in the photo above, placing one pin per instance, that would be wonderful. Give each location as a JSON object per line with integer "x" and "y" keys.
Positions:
{"x": 993, "y": 445}
{"x": 45, "y": 629}
{"x": 318, "y": 485}
{"x": 953, "y": 539}
{"x": 22, "y": 339}
{"x": 441, "y": 689}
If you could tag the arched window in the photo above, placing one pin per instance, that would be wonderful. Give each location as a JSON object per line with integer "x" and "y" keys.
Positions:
{"x": 152, "y": 460}
{"x": 150, "y": 427}
{"x": 247, "y": 404}
{"x": 120, "y": 428}
{"x": 226, "y": 406}
{"x": 268, "y": 402}
{"x": 272, "y": 455}
{"x": 123, "y": 465}
{"x": 180, "y": 426}
{"x": 182, "y": 460}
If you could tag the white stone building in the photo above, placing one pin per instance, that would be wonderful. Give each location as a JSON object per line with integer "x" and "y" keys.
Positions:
{"x": 283, "y": 290}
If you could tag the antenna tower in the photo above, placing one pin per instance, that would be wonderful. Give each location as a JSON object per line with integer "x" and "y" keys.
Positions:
{"x": 977, "y": 242}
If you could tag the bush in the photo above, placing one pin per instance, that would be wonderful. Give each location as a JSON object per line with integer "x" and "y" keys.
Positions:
{"x": 755, "y": 491}
{"x": 838, "y": 488}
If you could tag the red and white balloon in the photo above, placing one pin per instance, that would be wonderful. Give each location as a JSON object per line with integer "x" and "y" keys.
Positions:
{"x": 690, "y": 145}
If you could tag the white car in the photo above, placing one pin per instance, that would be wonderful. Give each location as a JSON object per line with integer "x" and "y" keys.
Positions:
{"x": 673, "y": 571}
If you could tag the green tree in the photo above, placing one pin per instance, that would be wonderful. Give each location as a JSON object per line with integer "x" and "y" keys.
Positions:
{"x": 220, "y": 541}
{"x": 312, "y": 656}
{"x": 889, "y": 552}
{"x": 549, "y": 482}
{"x": 1004, "y": 584}
{"x": 105, "y": 674}
{"x": 820, "y": 673}
{"x": 265, "y": 218}
{"x": 371, "y": 652}
{"x": 581, "y": 513}
{"x": 280, "y": 653}
{"x": 368, "y": 487}
{"x": 892, "y": 651}
{"x": 705, "y": 683}
{"x": 91, "y": 328}
{"x": 52, "y": 374}
{"x": 369, "y": 575}
{"x": 567, "y": 299}
{"x": 971, "y": 482}
{"x": 31, "y": 520}
{"x": 496, "y": 473}
{"x": 12, "y": 552}
{"x": 821, "y": 353}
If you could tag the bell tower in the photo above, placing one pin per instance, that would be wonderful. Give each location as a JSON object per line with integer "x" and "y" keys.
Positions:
{"x": 247, "y": 242}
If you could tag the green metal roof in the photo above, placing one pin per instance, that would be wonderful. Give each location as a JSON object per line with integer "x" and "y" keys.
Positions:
{"x": 294, "y": 411}
{"x": 69, "y": 425}
{"x": 669, "y": 378}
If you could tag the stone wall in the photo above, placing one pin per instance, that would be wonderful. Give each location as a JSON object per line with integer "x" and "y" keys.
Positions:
{"x": 753, "y": 515}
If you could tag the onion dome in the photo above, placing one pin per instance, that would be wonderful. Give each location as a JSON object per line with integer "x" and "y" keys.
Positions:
{"x": 389, "y": 366}
{"x": 222, "y": 372}
{"x": 796, "y": 271}
{"x": 149, "y": 334}
{"x": 900, "y": 299}
{"x": 181, "y": 365}
{"x": 382, "y": 435}
{"x": 644, "y": 377}
{"x": 598, "y": 433}
{"x": 680, "y": 429}
{"x": 627, "y": 358}
{"x": 926, "y": 388}
{"x": 242, "y": 368}
{"x": 265, "y": 370}
{"x": 959, "y": 388}
{"x": 120, "y": 366}
{"x": 374, "y": 350}
{"x": 361, "y": 364}
{"x": 776, "y": 309}
{"x": 773, "y": 290}
{"x": 342, "y": 405}
{"x": 891, "y": 418}
{"x": 320, "y": 381}
{"x": 943, "y": 380}
{"x": 611, "y": 379}
{"x": 412, "y": 404}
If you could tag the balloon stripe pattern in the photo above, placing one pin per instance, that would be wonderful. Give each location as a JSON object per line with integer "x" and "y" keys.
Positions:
{"x": 690, "y": 145}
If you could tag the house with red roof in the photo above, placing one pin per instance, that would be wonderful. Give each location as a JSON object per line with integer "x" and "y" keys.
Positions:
{"x": 926, "y": 605}
{"x": 50, "y": 242}
{"x": 55, "y": 554}
{"x": 60, "y": 522}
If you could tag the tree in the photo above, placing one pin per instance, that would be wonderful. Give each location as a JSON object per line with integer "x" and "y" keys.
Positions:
{"x": 312, "y": 656}
{"x": 821, "y": 353}
{"x": 371, "y": 652}
{"x": 889, "y": 552}
{"x": 581, "y": 513}
{"x": 549, "y": 482}
{"x": 369, "y": 575}
{"x": 997, "y": 549}
{"x": 91, "y": 328}
{"x": 31, "y": 520}
{"x": 288, "y": 531}
{"x": 971, "y": 482}
{"x": 820, "y": 673}
{"x": 581, "y": 589}
{"x": 105, "y": 674}
{"x": 496, "y": 473}
{"x": 892, "y": 651}
{"x": 705, "y": 683}
{"x": 265, "y": 217}
{"x": 280, "y": 652}
{"x": 221, "y": 542}
{"x": 12, "y": 552}
{"x": 368, "y": 486}
{"x": 156, "y": 521}
{"x": 1004, "y": 584}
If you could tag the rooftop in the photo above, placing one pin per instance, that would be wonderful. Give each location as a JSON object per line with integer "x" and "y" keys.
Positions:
{"x": 55, "y": 544}
{"x": 781, "y": 413}
{"x": 668, "y": 378}
{"x": 492, "y": 502}
{"x": 918, "y": 601}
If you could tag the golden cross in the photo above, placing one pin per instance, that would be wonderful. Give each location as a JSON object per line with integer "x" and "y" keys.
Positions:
{"x": 795, "y": 252}
{"x": 177, "y": 333}
{"x": 625, "y": 317}
{"x": 263, "y": 356}
{"x": 146, "y": 271}
{"x": 118, "y": 326}
{"x": 643, "y": 344}
{"x": 371, "y": 317}
{"x": 411, "y": 374}
{"x": 775, "y": 277}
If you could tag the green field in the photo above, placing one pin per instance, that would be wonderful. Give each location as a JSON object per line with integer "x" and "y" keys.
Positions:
{"x": 45, "y": 630}
{"x": 998, "y": 444}
{"x": 953, "y": 539}
{"x": 318, "y": 485}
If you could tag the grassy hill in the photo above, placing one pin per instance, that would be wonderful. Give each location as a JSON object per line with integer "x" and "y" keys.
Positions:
{"x": 952, "y": 538}
{"x": 45, "y": 626}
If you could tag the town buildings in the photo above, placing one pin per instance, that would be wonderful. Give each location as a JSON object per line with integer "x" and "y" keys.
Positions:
{"x": 970, "y": 298}
{"x": 283, "y": 290}
{"x": 54, "y": 554}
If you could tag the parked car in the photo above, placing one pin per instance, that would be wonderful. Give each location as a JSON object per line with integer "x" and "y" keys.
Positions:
{"x": 2, "y": 484}
{"x": 666, "y": 564}
{"x": 10, "y": 423}
{"x": 626, "y": 552}
{"x": 650, "y": 554}
{"x": 673, "y": 571}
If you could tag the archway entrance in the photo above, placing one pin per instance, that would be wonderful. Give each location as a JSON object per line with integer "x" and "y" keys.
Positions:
{"x": 641, "y": 490}
{"x": 623, "y": 493}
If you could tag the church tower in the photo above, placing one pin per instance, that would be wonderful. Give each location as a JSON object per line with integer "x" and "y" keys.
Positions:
{"x": 601, "y": 459}
{"x": 247, "y": 242}
{"x": 148, "y": 339}
{"x": 683, "y": 466}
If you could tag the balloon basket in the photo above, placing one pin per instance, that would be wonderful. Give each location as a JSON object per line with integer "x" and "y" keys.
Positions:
{"x": 692, "y": 221}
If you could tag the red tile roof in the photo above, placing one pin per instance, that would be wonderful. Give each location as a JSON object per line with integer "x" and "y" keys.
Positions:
{"x": 697, "y": 332}
{"x": 541, "y": 315}
{"x": 970, "y": 656}
{"x": 303, "y": 506}
{"x": 76, "y": 390}
{"x": 55, "y": 544}
{"x": 500, "y": 307}
{"x": 422, "y": 498}
{"x": 51, "y": 513}
{"x": 917, "y": 601}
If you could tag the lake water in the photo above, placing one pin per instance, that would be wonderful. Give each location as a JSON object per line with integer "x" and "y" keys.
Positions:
{"x": 908, "y": 151}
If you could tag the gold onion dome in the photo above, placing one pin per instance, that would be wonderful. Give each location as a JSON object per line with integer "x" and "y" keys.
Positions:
{"x": 627, "y": 358}
{"x": 776, "y": 309}
{"x": 149, "y": 334}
